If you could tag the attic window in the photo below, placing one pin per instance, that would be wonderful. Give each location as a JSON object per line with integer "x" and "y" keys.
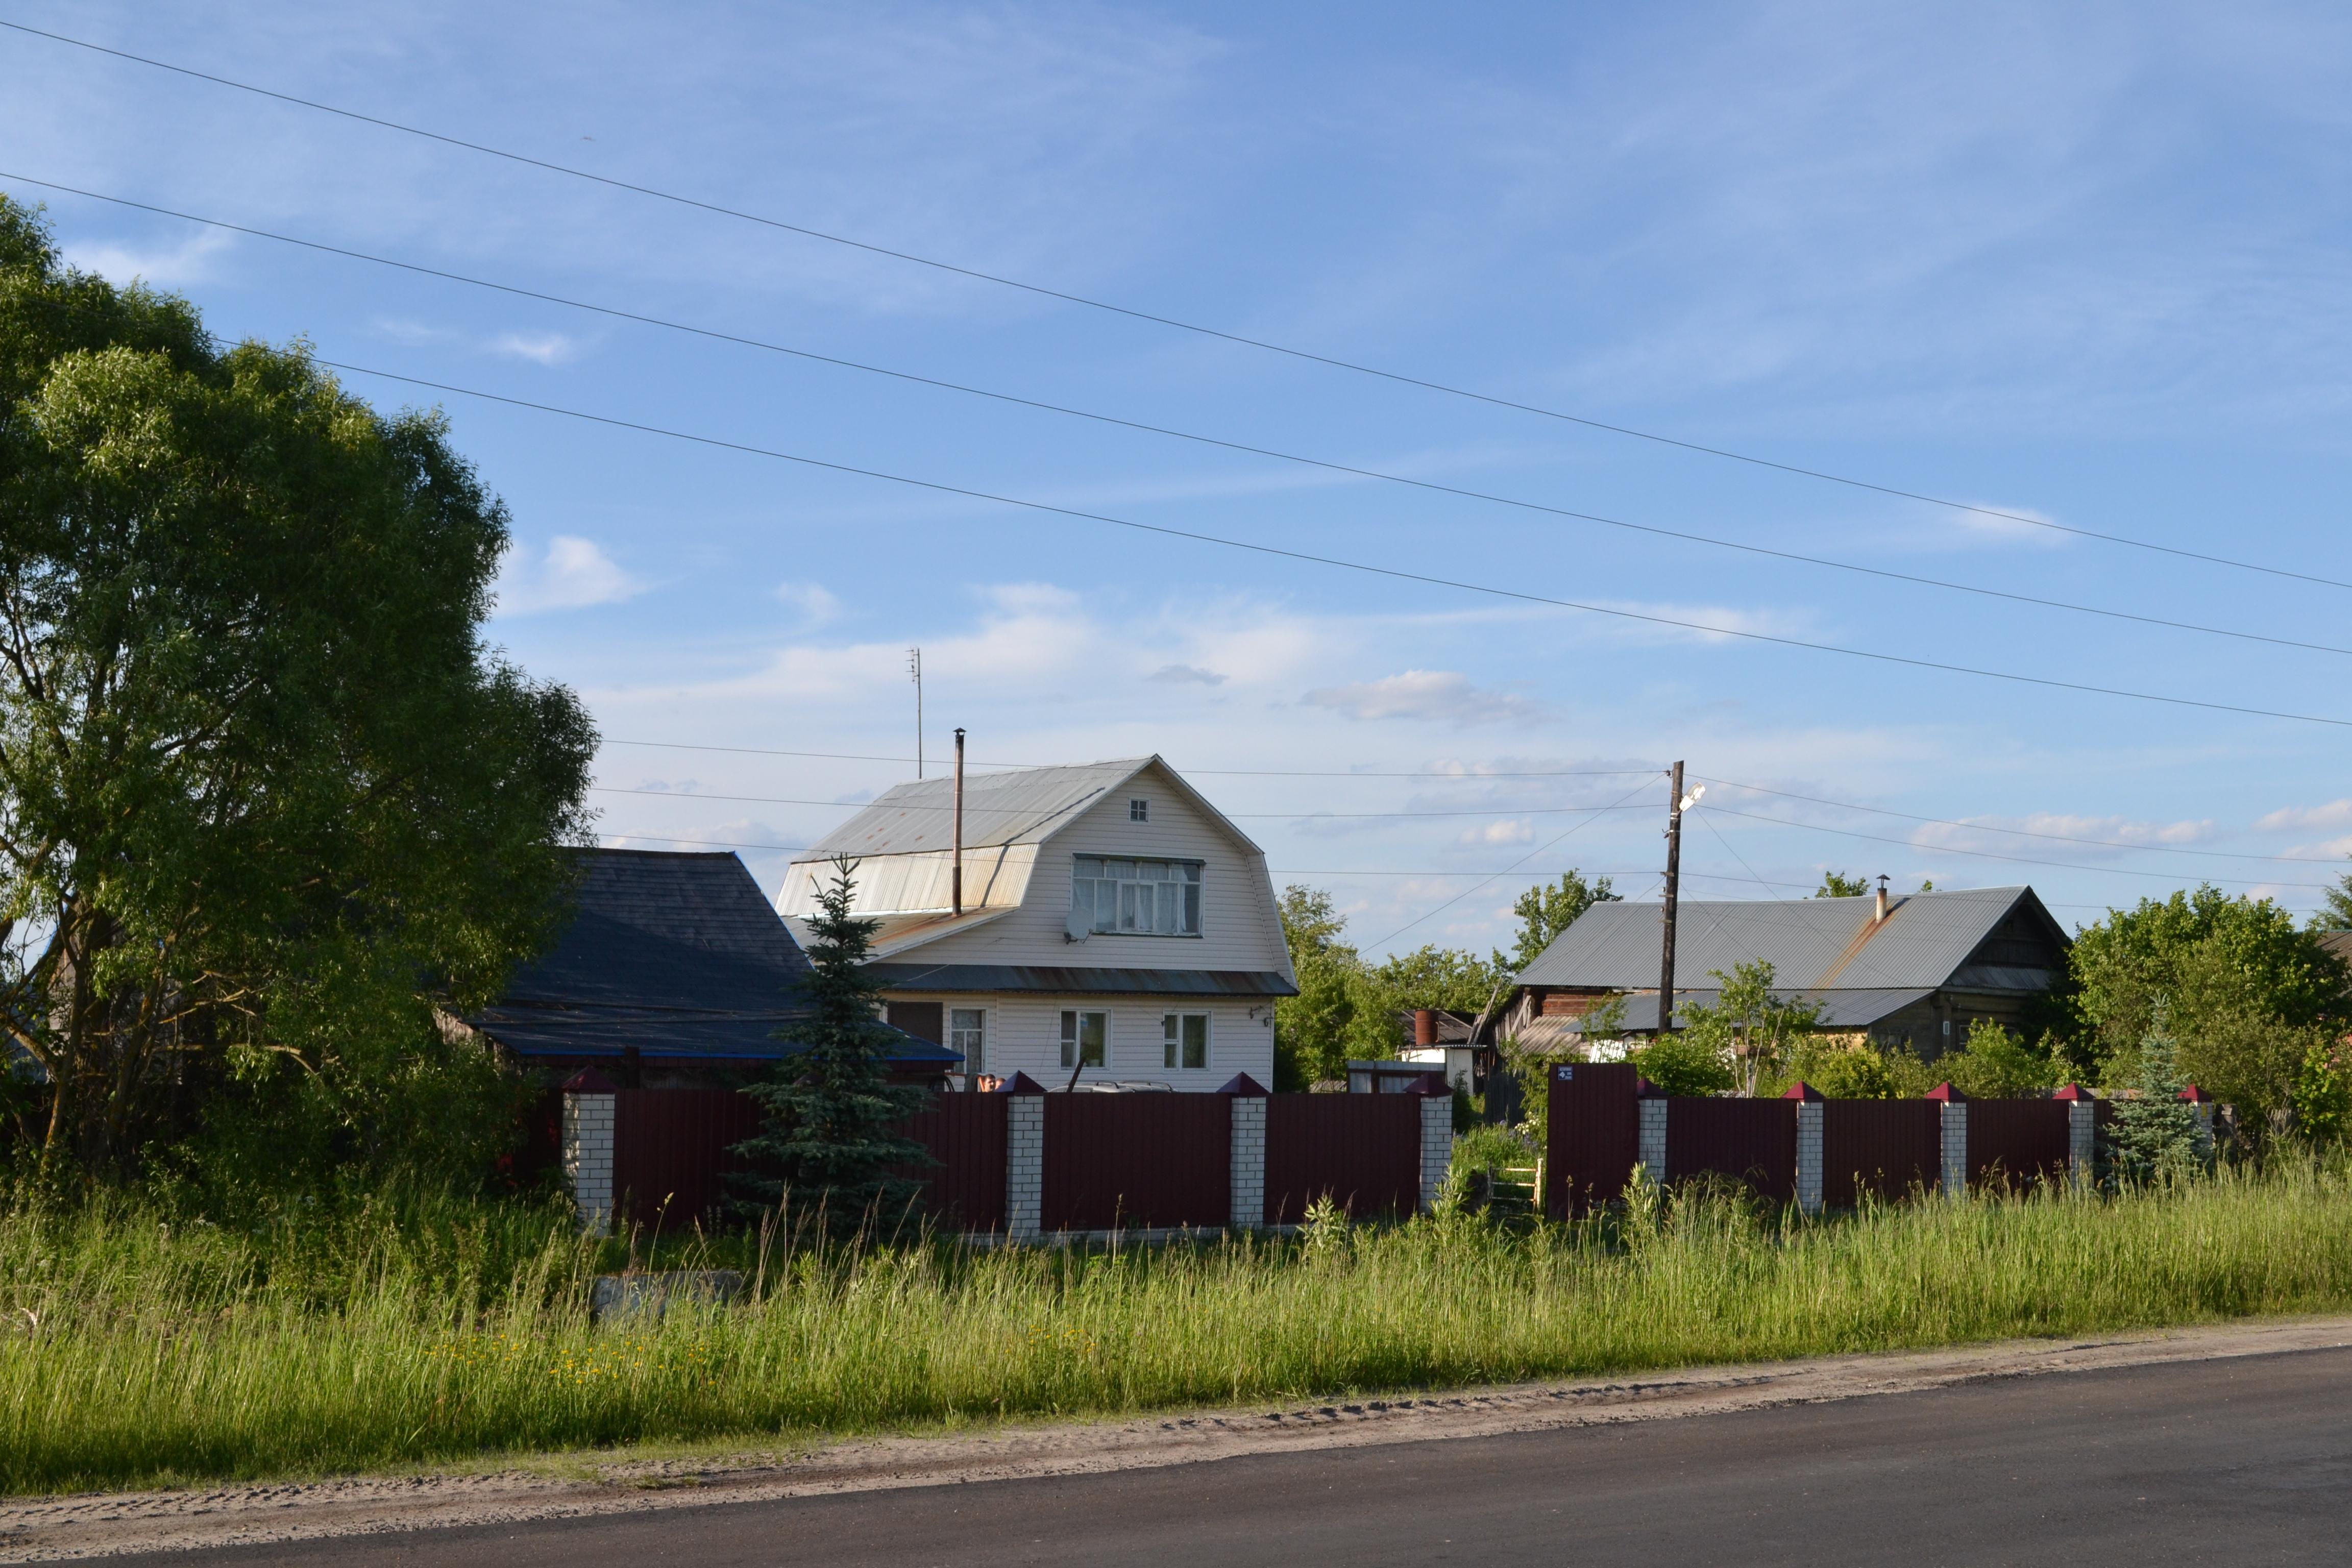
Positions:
{"x": 1137, "y": 897}
{"x": 1138, "y": 811}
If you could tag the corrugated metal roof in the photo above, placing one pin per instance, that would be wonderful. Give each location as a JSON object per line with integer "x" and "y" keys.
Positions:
{"x": 1022, "y": 806}
{"x": 1088, "y": 982}
{"x": 1814, "y": 944}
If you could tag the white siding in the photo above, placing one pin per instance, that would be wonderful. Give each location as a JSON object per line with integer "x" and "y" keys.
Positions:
{"x": 1024, "y": 1035}
{"x": 1239, "y": 927}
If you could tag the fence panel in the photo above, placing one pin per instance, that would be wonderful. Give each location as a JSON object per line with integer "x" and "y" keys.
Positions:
{"x": 1363, "y": 1150}
{"x": 669, "y": 1153}
{"x": 1751, "y": 1141}
{"x": 1882, "y": 1146}
{"x": 965, "y": 1134}
{"x": 1151, "y": 1160}
{"x": 2013, "y": 1142}
{"x": 1594, "y": 1134}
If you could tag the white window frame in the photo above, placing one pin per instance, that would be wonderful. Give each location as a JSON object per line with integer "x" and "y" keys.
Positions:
{"x": 1074, "y": 1032}
{"x": 974, "y": 1061}
{"x": 1110, "y": 902}
{"x": 1172, "y": 1042}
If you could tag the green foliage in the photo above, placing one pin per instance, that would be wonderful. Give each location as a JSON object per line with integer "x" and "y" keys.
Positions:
{"x": 146, "y": 1350}
{"x": 1347, "y": 1008}
{"x": 1996, "y": 1064}
{"x": 1838, "y": 885}
{"x": 2244, "y": 996}
{"x": 2334, "y": 911}
{"x": 2152, "y": 1133}
{"x": 828, "y": 1138}
{"x": 267, "y": 794}
{"x": 2323, "y": 1093}
{"x": 1752, "y": 1028}
{"x": 1545, "y": 911}
{"x": 1691, "y": 1061}
{"x": 1839, "y": 1069}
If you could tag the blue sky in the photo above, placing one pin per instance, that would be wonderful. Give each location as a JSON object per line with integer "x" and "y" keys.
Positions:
{"x": 2085, "y": 265}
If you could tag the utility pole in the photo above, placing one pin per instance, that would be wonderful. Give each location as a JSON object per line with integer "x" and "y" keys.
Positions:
{"x": 955, "y": 862}
{"x": 915, "y": 669}
{"x": 1673, "y": 878}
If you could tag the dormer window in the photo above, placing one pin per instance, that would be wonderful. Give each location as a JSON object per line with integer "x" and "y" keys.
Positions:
{"x": 1124, "y": 897}
{"x": 1138, "y": 811}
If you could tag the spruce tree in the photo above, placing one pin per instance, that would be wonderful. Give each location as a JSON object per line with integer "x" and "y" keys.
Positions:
{"x": 2158, "y": 1133}
{"x": 829, "y": 1136}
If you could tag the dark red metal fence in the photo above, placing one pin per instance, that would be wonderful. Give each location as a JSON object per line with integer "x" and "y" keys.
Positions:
{"x": 1151, "y": 1160}
{"x": 1591, "y": 1110}
{"x": 669, "y": 1153}
{"x": 1363, "y": 1150}
{"x": 1752, "y": 1140}
{"x": 2015, "y": 1142}
{"x": 965, "y": 1134}
{"x": 1882, "y": 1146}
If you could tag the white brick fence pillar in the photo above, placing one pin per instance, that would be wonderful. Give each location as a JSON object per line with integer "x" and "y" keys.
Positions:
{"x": 588, "y": 1127}
{"x": 1247, "y": 1205}
{"x": 1810, "y": 1114}
{"x": 2082, "y": 1135}
{"x": 2202, "y": 1103}
{"x": 1955, "y": 1171}
{"x": 1024, "y": 1166}
{"x": 1651, "y": 1148}
{"x": 1436, "y": 1143}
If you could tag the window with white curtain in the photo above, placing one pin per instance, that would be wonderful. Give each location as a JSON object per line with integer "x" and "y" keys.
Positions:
{"x": 1184, "y": 1039}
{"x": 968, "y": 1033}
{"x": 1133, "y": 896}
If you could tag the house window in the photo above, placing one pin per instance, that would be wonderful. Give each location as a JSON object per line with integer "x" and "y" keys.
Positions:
{"x": 1138, "y": 811}
{"x": 968, "y": 1033}
{"x": 1184, "y": 1039}
{"x": 1137, "y": 898}
{"x": 1086, "y": 1037}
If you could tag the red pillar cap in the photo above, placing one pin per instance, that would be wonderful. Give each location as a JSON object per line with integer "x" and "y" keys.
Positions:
{"x": 2195, "y": 1096}
{"x": 1800, "y": 1090}
{"x": 588, "y": 1080}
{"x": 1242, "y": 1084}
{"x": 2073, "y": 1092}
{"x": 1947, "y": 1093}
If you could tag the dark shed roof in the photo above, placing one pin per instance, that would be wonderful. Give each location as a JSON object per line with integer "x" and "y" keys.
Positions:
{"x": 678, "y": 955}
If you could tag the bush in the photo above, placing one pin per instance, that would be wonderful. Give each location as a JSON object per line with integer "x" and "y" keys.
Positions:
{"x": 1691, "y": 1063}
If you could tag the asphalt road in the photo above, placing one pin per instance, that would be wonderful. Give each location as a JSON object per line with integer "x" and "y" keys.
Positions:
{"x": 2244, "y": 1462}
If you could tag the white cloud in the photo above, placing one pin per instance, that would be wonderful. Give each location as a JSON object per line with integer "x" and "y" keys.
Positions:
{"x": 540, "y": 348}
{"x": 1510, "y": 830}
{"x": 571, "y": 574}
{"x": 1182, "y": 674}
{"x": 172, "y": 267}
{"x": 2335, "y": 813}
{"x": 1439, "y": 694}
{"x": 816, "y": 604}
{"x": 1985, "y": 833}
{"x": 2328, "y": 849}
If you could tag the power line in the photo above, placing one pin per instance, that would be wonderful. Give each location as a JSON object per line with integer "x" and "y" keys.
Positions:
{"x": 1488, "y": 497}
{"x": 2023, "y": 833}
{"x": 1030, "y": 811}
{"x": 1542, "y": 849}
{"x": 2014, "y": 859}
{"x": 1393, "y": 572}
{"x": 1067, "y": 298}
{"x": 1208, "y": 773}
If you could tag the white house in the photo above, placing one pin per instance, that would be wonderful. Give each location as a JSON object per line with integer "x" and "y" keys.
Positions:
{"x": 1113, "y": 924}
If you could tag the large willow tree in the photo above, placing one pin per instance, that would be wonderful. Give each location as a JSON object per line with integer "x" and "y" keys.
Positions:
{"x": 266, "y": 796}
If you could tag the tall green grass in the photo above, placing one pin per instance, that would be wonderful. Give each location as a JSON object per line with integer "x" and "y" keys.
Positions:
{"x": 138, "y": 1351}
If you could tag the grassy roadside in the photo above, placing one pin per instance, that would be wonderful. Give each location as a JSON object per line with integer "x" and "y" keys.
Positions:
{"x": 138, "y": 1352}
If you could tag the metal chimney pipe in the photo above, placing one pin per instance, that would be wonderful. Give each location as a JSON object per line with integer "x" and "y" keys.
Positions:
{"x": 1425, "y": 1026}
{"x": 955, "y": 863}
{"x": 1881, "y": 901}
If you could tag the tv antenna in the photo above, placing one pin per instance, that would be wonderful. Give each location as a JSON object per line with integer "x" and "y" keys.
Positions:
{"x": 914, "y": 670}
